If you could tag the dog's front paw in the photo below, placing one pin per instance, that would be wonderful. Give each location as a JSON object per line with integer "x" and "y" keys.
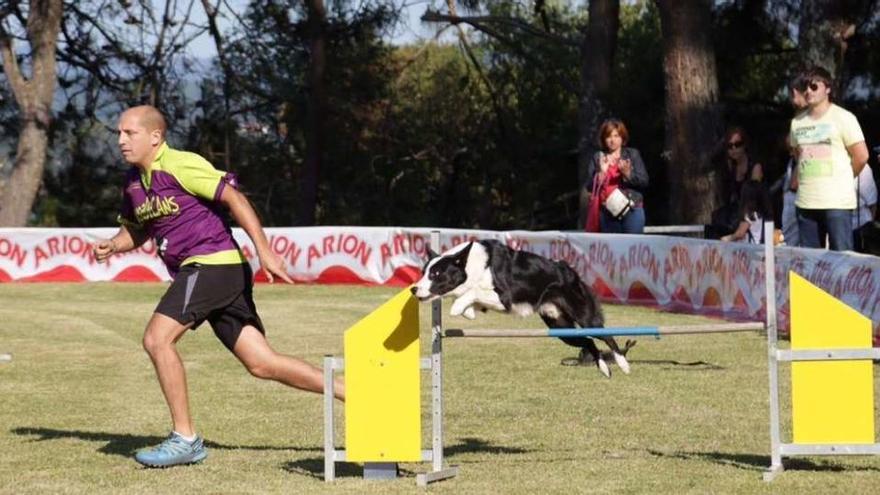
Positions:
{"x": 469, "y": 313}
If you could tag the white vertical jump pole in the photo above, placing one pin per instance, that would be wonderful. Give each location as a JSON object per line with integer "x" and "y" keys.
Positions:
{"x": 770, "y": 283}
{"x": 437, "y": 472}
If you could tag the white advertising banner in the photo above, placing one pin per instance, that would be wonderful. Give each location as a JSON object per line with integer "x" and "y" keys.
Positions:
{"x": 675, "y": 273}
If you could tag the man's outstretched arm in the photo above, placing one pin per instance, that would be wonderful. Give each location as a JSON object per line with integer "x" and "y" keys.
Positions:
{"x": 243, "y": 213}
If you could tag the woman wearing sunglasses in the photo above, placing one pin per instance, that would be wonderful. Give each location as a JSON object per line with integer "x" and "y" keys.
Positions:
{"x": 737, "y": 170}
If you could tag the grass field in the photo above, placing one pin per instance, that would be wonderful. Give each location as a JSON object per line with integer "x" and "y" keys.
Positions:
{"x": 80, "y": 397}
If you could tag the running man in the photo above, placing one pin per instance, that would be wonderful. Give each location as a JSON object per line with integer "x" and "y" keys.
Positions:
{"x": 175, "y": 198}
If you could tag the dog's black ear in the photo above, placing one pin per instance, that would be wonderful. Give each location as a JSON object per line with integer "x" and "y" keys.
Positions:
{"x": 462, "y": 256}
{"x": 430, "y": 252}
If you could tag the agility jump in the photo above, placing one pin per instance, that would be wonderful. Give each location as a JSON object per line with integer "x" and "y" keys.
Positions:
{"x": 382, "y": 379}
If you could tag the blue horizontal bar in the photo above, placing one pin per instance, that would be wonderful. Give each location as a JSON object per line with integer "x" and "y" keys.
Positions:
{"x": 602, "y": 332}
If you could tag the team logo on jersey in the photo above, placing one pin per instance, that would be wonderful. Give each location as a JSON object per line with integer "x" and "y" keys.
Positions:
{"x": 155, "y": 207}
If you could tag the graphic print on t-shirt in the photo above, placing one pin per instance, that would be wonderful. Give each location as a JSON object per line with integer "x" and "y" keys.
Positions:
{"x": 815, "y": 145}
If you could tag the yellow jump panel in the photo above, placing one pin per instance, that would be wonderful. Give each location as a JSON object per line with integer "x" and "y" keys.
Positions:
{"x": 832, "y": 401}
{"x": 382, "y": 407}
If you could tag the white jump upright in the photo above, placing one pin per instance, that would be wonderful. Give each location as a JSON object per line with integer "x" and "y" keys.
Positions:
{"x": 832, "y": 371}
{"x": 383, "y": 410}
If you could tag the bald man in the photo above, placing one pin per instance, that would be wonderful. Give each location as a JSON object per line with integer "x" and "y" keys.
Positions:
{"x": 173, "y": 197}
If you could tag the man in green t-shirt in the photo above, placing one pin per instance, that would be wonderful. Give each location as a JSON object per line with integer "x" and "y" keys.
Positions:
{"x": 831, "y": 151}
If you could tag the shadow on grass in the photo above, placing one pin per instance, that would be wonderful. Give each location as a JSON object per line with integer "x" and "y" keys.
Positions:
{"x": 314, "y": 466}
{"x": 471, "y": 445}
{"x": 694, "y": 365}
{"x": 665, "y": 363}
{"x": 755, "y": 462}
{"x": 125, "y": 445}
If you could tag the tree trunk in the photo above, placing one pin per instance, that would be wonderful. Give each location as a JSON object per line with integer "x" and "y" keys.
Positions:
{"x": 825, "y": 26}
{"x": 34, "y": 99}
{"x": 601, "y": 43}
{"x": 693, "y": 120}
{"x": 315, "y": 114}
{"x": 597, "y": 58}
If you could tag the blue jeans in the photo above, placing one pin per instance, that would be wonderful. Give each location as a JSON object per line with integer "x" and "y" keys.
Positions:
{"x": 631, "y": 223}
{"x": 815, "y": 224}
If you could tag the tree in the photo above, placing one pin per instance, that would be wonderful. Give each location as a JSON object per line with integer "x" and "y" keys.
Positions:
{"x": 315, "y": 113}
{"x": 34, "y": 96}
{"x": 693, "y": 120}
{"x": 825, "y": 26}
{"x": 597, "y": 58}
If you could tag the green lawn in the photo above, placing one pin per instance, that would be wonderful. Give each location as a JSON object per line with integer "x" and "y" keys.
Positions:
{"x": 80, "y": 397}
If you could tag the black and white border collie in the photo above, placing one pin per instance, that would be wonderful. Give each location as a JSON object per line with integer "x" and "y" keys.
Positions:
{"x": 483, "y": 275}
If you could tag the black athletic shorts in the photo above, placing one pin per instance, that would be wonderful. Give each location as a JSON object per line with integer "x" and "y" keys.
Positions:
{"x": 220, "y": 294}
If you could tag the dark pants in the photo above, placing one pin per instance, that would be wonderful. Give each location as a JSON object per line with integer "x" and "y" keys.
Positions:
{"x": 631, "y": 223}
{"x": 814, "y": 225}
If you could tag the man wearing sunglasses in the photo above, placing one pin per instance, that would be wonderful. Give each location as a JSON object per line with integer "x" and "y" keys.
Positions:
{"x": 831, "y": 151}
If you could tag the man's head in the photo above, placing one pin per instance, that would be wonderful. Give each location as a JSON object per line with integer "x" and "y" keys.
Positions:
{"x": 796, "y": 89}
{"x": 817, "y": 90}
{"x": 141, "y": 133}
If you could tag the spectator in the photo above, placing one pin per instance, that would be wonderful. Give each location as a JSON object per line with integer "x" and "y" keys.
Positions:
{"x": 616, "y": 176}
{"x": 863, "y": 216}
{"x": 831, "y": 150}
{"x": 754, "y": 210}
{"x": 790, "y": 232}
{"x": 738, "y": 168}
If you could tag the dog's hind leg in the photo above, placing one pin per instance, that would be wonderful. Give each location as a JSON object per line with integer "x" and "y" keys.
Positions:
{"x": 588, "y": 314}
{"x": 585, "y": 344}
{"x": 619, "y": 356}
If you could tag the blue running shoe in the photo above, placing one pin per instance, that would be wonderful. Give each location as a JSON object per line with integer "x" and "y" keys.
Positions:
{"x": 174, "y": 451}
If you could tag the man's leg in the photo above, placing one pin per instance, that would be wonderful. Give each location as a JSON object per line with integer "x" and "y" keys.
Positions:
{"x": 159, "y": 338}
{"x": 254, "y": 352}
{"x": 839, "y": 225}
{"x": 808, "y": 227}
{"x": 182, "y": 446}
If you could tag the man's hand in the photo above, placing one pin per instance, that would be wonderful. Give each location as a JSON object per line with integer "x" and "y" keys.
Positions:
{"x": 103, "y": 249}
{"x": 274, "y": 266}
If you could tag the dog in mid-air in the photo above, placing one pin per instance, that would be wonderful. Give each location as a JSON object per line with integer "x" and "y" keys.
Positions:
{"x": 484, "y": 275}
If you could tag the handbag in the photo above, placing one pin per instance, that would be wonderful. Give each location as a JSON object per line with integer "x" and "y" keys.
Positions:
{"x": 594, "y": 210}
{"x": 618, "y": 204}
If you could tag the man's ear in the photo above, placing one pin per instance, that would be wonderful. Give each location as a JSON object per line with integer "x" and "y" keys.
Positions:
{"x": 155, "y": 137}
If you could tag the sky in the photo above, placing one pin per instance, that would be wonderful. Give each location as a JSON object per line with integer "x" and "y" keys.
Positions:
{"x": 411, "y": 28}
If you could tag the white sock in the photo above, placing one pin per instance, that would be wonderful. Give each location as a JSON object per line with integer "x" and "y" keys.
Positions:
{"x": 188, "y": 439}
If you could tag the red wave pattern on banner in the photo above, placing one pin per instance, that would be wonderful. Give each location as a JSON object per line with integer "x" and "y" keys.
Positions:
{"x": 4, "y": 277}
{"x": 711, "y": 300}
{"x": 402, "y": 277}
{"x": 62, "y": 273}
{"x": 137, "y": 273}
{"x": 601, "y": 289}
{"x": 405, "y": 276}
{"x": 680, "y": 296}
{"x": 641, "y": 294}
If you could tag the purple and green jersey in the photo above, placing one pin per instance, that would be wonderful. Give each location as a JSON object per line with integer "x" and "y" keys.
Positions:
{"x": 177, "y": 203}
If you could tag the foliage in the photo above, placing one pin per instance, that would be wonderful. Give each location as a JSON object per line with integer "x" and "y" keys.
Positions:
{"x": 476, "y": 133}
